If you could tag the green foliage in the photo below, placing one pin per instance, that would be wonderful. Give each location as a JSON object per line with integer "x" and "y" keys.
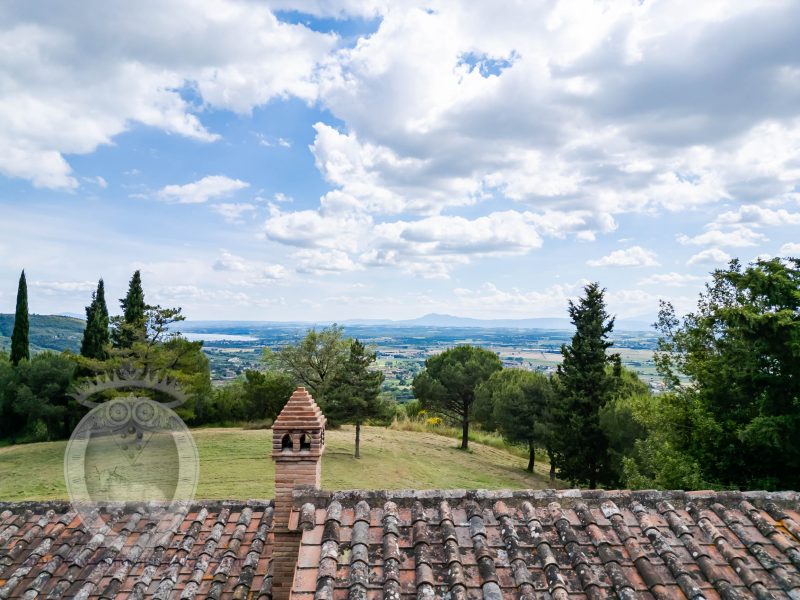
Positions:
{"x": 96, "y": 336}
{"x": 584, "y": 387}
{"x": 412, "y": 409}
{"x": 739, "y": 418}
{"x": 521, "y": 405}
{"x": 149, "y": 344}
{"x": 20, "y": 346}
{"x": 34, "y": 399}
{"x": 355, "y": 392}
{"x": 656, "y": 459}
{"x": 314, "y": 360}
{"x": 132, "y": 324}
{"x": 448, "y": 382}
{"x": 618, "y": 422}
{"x": 226, "y": 405}
{"x": 33, "y": 393}
{"x": 10, "y": 423}
{"x": 266, "y": 393}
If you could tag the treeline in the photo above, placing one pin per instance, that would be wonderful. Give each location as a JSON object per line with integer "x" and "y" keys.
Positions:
{"x": 35, "y": 401}
{"x": 729, "y": 418}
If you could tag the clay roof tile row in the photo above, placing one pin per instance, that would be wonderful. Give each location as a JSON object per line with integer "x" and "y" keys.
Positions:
{"x": 211, "y": 550}
{"x": 557, "y": 545}
{"x": 457, "y": 545}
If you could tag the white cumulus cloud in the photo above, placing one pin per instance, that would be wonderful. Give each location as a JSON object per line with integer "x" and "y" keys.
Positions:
{"x": 671, "y": 279}
{"x": 739, "y": 237}
{"x": 234, "y": 212}
{"x": 711, "y": 256}
{"x": 202, "y": 190}
{"x": 753, "y": 214}
{"x": 71, "y": 81}
{"x": 635, "y": 256}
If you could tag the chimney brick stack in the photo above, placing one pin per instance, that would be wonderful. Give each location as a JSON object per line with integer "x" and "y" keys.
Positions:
{"x": 298, "y": 441}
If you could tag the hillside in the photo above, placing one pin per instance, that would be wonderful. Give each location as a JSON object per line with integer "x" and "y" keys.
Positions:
{"x": 235, "y": 464}
{"x": 48, "y": 332}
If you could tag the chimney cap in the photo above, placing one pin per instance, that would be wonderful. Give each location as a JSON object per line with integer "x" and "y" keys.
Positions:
{"x": 300, "y": 412}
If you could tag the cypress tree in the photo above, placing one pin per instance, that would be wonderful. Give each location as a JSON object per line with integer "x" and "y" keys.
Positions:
{"x": 133, "y": 323}
{"x": 585, "y": 384}
{"x": 20, "y": 347}
{"x": 96, "y": 336}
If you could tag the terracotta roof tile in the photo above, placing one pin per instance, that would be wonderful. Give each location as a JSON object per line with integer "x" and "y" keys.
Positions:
{"x": 45, "y": 552}
{"x": 568, "y": 545}
{"x": 458, "y": 545}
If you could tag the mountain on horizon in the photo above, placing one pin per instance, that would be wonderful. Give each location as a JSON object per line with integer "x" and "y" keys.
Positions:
{"x": 445, "y": 320}
{"x": 428, "y": 320}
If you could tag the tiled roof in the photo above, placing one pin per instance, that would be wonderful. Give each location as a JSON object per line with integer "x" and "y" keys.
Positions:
{"x": 544, "y": 544}
{"x": 400, "y": 545}
{"x": 211, "y": 550}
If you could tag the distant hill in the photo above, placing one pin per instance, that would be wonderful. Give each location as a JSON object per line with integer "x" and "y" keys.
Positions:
{"x": 48, "y": 332}
{"x": 434, "y": 320}
{"x": 441, "y": 320}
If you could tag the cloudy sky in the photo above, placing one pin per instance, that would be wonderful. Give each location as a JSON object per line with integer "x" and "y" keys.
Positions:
{"x": 291, "y": 159}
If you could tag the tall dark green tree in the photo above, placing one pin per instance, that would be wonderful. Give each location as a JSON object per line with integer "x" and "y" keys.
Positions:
{"x": 96, "y": 336}
{"x": 447, "y": 384}
{"x": 354, "y": 396}
{"x": 20, "y": 346}
{"x": 584, "y": 385}
{"x": 132, "y": 325}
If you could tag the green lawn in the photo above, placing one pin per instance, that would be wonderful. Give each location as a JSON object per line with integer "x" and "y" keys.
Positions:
{"x": 235, "y": 464}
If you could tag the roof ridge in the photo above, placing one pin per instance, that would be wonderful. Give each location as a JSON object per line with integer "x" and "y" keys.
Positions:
{"x": 406, "y": 497}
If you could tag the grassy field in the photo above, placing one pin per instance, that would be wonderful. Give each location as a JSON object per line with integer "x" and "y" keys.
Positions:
{"x": 234, "y": 463}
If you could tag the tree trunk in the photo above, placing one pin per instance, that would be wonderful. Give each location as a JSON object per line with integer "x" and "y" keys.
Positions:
{"x": 465, "y": 433}
{"x": 531, "y": 457}
{"x": 551, "y": 457}
{"x": 358, "y": 440}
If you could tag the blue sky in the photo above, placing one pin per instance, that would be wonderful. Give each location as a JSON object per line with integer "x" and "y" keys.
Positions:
{"x": 305, "y": 160}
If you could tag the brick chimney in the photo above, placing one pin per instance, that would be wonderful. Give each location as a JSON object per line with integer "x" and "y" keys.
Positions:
{"x": 298, "y": 441}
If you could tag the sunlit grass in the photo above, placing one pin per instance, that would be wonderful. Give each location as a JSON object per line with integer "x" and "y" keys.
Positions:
{"x": 236, "y": 464}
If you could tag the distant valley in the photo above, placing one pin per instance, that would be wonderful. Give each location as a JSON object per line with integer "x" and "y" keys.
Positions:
{"x": 402, "y": 346}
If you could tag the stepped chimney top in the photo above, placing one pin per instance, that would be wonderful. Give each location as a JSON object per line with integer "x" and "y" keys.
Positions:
{"x": 300, "y": 428}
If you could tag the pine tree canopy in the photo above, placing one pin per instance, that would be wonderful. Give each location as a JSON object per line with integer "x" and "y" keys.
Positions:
{"x": 354, "y": 396}
{"x": 448, "y": 382}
